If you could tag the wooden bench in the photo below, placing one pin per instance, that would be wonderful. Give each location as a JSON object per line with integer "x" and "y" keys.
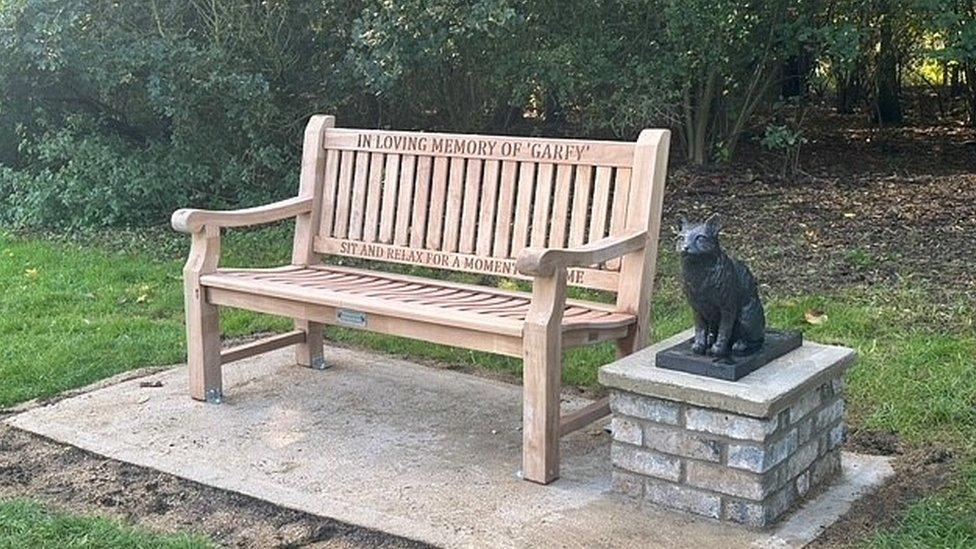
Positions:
{"x": 557, "y": 212}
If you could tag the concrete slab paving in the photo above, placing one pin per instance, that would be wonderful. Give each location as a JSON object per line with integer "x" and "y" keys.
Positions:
{"x": 411, "y": 450}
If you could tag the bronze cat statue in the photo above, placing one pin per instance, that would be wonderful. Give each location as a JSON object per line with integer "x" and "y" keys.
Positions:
{"x": 722, "y": 293}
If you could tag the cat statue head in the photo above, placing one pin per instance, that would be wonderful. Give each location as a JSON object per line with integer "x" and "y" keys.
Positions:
{"x": 699, "y": 240}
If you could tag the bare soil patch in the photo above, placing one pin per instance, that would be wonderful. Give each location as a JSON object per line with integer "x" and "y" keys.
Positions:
{"x": 918, "y": 472}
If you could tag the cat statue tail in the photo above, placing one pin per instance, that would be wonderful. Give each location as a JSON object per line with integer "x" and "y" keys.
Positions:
{"x": 752, "y": 327}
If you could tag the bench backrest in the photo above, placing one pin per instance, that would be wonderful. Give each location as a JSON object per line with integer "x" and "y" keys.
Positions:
{"x": 473, "y": 202}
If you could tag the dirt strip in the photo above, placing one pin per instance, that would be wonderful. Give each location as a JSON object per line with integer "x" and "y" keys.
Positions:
{"x": 77, "y": 481}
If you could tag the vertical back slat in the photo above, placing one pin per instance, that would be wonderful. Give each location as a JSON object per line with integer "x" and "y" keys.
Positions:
{"x": 503, "y": 220}
{"x": 438, "y": 194}
{"x": 329, "y": 192}
{"x": 401, "y": 230}
{"x": 618, "y": 212}
{"x": 540, "y": 215}
{"x": 344, "y": 195}
{"x": 421, "y": 201}
{"x": 489, "y": 204}
{"x": 601, "y": 204}
{"x": 523, "y": 207}
{"x": 358, "y": 205}
{"x": 473, "y": 196}
{"x": 391, "y": 176}
{"x": 374, "y": 195}
{"x": 636, "y": 277}
{"x": 469, "y": 216}
{"x": 560, "y": 206}
{"x": 452, "y": 214}
{"x": 581, "y": 199}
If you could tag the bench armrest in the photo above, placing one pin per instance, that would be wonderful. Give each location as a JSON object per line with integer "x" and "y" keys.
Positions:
{"x": 190, "y": 221}
{"x": 544, "y": 262}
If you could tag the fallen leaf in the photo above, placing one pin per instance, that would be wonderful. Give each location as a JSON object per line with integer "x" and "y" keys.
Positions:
{"x": 30, "y": 273}
{"x": 142, "y": 298}
{"x": 815, "y": 316}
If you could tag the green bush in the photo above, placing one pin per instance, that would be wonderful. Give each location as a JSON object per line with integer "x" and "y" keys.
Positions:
{"x": 114, "y": 113}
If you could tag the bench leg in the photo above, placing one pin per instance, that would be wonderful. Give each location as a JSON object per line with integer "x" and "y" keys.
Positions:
{"x": 541, "y": 380}
{"x": 203, "y": 346}
{"x": 309, "y": 353}
{"x": 635, "y": 340}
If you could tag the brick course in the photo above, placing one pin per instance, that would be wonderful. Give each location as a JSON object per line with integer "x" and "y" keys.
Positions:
{"x": 724, "y": 465}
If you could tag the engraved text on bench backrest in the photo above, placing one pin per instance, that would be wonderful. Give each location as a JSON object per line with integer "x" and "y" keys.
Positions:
{"x": 471, "y": 203}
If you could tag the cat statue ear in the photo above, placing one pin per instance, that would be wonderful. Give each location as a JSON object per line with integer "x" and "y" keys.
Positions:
{"x": 681, "y": 223}
{"x": 713, "y": 224}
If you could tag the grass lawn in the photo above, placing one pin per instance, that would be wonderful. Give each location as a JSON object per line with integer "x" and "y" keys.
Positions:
{"x": 24, "y": 524}
{"x": 75, "y": 312}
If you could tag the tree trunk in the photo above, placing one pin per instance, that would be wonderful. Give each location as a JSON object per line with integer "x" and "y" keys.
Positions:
{"x": 848, "y": 94}
{"x": 971, "y": 88}
{"x": 888, "y": 104}
{"x": 698, "y": 115}
{"x": 955, "y": 82}
{"x": 796, "y": 76}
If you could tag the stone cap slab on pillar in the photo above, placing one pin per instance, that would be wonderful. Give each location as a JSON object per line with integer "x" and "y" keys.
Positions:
{"x": 763, "y": 393}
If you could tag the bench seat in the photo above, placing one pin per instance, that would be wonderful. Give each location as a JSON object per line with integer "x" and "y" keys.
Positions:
{"x": 470, "y": 306}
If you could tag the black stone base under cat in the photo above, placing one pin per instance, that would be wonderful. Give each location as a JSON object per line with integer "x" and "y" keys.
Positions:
{"x": 681, "y": 358}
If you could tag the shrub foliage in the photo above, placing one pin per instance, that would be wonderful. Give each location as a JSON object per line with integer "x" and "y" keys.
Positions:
{"x": 115, "y": 113}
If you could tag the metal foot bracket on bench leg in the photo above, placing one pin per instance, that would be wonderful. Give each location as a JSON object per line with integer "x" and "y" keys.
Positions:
{"x": 319, "y": 363}
{"x": 214, "y": 396}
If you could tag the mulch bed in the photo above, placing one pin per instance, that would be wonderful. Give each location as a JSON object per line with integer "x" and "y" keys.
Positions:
{"x": 893, "y": 206}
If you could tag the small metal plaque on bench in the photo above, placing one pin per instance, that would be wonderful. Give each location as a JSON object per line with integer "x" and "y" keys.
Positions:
{"x": 351, "y": 318}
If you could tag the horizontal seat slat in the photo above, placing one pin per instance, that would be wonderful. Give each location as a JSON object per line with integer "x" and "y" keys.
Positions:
{"x": 473, "y": 337}
{"x": 475, "y": 307}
